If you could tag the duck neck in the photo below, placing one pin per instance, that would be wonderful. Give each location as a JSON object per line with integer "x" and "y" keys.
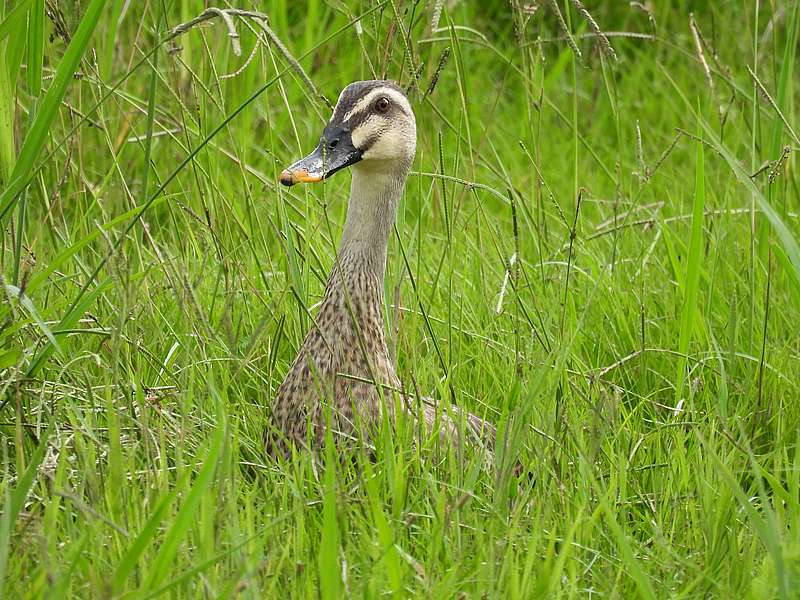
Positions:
{"x": 371, "y": 214}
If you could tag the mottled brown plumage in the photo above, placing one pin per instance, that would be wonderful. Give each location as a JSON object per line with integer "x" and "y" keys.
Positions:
{"x": 343, "y": 366}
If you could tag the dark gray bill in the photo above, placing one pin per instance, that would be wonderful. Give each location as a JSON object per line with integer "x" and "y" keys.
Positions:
{"x": 334, "y": 152}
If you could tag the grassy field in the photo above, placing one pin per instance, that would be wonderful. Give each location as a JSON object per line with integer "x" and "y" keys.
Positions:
{"x": 597, "y": 250}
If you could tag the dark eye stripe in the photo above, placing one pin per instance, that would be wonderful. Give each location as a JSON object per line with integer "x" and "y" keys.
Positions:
{"x": 369, "y": 141}
{"x": 364, "y": 115}
{"x": 353, "y": 93}
{"x": 349, "y": 100}
{"x": 370, "y": 111}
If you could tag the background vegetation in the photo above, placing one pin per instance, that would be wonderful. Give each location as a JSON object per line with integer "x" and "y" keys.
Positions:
{"x": 598, "y": 250}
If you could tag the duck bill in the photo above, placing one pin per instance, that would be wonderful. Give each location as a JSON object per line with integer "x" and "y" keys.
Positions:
{"x": 328, "y": 157}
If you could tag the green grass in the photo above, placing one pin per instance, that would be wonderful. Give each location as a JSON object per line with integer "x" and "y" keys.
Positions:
{"x": 640, "y": 353}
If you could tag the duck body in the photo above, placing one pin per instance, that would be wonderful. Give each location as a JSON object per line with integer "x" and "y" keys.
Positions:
{"x": 343, "y": 376}
{"x": 343, "y": 363}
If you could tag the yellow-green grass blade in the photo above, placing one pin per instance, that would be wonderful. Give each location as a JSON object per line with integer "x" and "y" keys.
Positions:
{"x": 9, "y": 358}
{"x": 35, "y": 47}
{"x": 14, "y": 18}
{"x": 199, "y": 568}
{"x": 62, "y": 258}
{"x": 27, "y": 303}
{"x": 107, "y": 57}
{"x": 328, "y": 562}
{"x": 691, "y": 289}
{"x": 762, "y": 520}
{"x": 624, "y": 545}
{"x": 68, "y": 323}
{"x": 15, "y": 499}
{"x": 186, "y": 515}
{"x": 149, "y": 531}
{"x": 37, "y": 135}
{"x": 774, "y": 193}
{"x": 11, "y": 51}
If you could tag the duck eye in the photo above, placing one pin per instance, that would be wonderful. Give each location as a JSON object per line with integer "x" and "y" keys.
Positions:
{"x": 382, "y": 104}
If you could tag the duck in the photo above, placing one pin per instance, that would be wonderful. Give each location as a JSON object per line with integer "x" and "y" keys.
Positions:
{"x": 343, "y": 379}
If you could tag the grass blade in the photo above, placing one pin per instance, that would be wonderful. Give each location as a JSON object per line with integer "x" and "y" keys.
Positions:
{"x": 69, "y": 322}
{"x": 163, "y": 562}
{"x": 35, "y": 47}
{"x": 626, "y": 551}
{"x": 194, "y": 571}
{"x": 128, "y": 562}
{"x": 330, "y": 581}
{"x": 784, "y": 83}
{"x": 27, "y": 303}
{"x": 762, "y": 520}
{"x": 14, "y": 22}
{"x": 9, "y": 358}
{"x": 14, "y": 18}
{"x": 14, "y": 502}
{"x": 37, "y": 135}
{"x": 692, "y": 279}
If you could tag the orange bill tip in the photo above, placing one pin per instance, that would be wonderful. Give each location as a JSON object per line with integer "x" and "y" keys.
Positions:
{"x": 288, "y": 177}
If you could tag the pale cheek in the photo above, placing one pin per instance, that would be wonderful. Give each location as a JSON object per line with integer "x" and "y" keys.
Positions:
{"x": 391, "y": 144}
{"x": 364, "y": 132}
{"x": 381, "y": 149}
